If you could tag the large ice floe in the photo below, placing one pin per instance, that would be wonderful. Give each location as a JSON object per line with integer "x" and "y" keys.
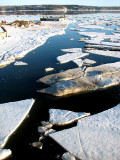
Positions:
{"x": 5, "y": 153}
{"x": 78, "y": 80}
{"x": 11, "y": 116}
{"x": 63, "y": 117}
{"x": 96, "y": 137}
{"x": 20, "y": 41}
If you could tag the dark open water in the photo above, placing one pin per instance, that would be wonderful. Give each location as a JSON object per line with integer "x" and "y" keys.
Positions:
{"x": 19, "y": 82}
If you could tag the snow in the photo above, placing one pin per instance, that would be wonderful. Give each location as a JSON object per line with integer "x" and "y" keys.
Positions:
{"x": 105, "y": 53}
{"x": 70, "y": 56}
{"x": 63, "y": 117}
{"x": 20, "y": 63}
{"x": 21, "y": 41}
{"x": 4, "y": 153}
{"x": 94, "y": 137}
{"x": 11, "y": 116}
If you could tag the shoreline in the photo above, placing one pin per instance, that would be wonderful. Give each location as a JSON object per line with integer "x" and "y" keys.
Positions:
{"x": 21, "y": 41}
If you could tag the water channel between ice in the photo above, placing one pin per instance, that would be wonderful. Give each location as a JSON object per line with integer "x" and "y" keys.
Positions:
{"x": 19, "y": 82}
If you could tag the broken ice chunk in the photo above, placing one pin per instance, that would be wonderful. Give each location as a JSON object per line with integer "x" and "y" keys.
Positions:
{"x": 20, "y": 63}
{"x": 63, "y": 117}
{"x": 68, "y": 156}
{"x": 11, "y": 116}
{"x": 5, "y": 153}
{"x": 49, "y": 69}
{"x": 79, "y": 62}
{"x": 72, "y": 50}
{"x": 38, "y": 145}
{"x": 88, "y": 61}
{"x": 70, "y": 56}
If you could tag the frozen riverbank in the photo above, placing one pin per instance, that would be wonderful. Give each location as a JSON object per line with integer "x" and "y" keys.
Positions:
{"x": 22, "y": 40}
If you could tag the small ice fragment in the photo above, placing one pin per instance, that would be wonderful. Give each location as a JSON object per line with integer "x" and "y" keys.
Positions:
{"x": 42, "y": 129}
{"x": 72, "y": 50}
{"x": 68, "y": 156}
{"x": 41, "y": 138}
{"x": 20, "y": 63}
{"x": 47, "y": 124}
{"x": 63, "y": 117}
{"x": 49, "y": 69}
{"x": 71, "y": 39}
{"x": 50, "y": 131}
{"x": 38, "y": 145}
{"x": 79, "y": 62}
{"x": 88, "y": 61}
{"x": 5, "y": 153}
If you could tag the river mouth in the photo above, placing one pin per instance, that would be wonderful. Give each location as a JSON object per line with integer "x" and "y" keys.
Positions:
{"x": 19, "y": 82}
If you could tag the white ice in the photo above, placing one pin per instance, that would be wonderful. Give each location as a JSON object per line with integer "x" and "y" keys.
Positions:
{"x": 72, "y": 50}
{"x": 89, "y": 61}
{"x": 20, "y": 63}
{"x": 49, "y": 69}
{"x": 92, "y": 34}
{"x": 20, "y": 41}
{"x": 4, "y": 153}
{"x": 71, "y": 56}
{"x": 11, "y": 116}
{"x": 96, "y": 137}
{"x": 63, "y": 117}
{"x": 79, "y": 62}
{"x": 105, "y": 53}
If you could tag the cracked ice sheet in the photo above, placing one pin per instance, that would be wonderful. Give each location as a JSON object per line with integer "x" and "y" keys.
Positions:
{"x": 11, "y": 116}
{"x": 96, "y": 137}
{"x": 105, "y": 53}
{"x": 63, "y": 117}
{"x": 4, "y": 153}
{"x": 71, "y": 56}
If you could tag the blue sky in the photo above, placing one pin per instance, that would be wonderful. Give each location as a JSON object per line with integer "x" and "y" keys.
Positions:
{"x": 78, "y": 2}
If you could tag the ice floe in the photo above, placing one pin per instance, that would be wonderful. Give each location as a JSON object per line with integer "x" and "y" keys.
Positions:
{"x": 92, "y": 78}
{"x": 94, "y": 137}
{"x": 89, "y": 61}
{"x": 63, "y": 117}
{"x": 49, "y": 69}
{"x": 20, "y": 63}
{"x": 11, "y": 116}
{"x": 92, "y": 34}
{"x": 5, "y": 153}
{"x": 68, "y": 156}
{"x": 72, "y": 50}
{"x": 71, "y": 56}
{"x": 105, "y": 53}
{"x": 79, "y": 62}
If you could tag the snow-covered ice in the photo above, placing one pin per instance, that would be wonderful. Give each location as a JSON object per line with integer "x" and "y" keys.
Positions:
{"x": 105, "y": 53}
{"x": 5, "y": 153}
{"x": 92, "y": 34}
{"x": 72, "y": 50}
{"x": 11, "y": 116}
{"x": 79, "y": 62}
{"x": 63, "y": 117}
{"x": 96, "y": 137}
{"x": 20, "y": 63}
{"x": 20, "y": 41}
{"x": 89, "y": 61}
{"x": 49, "y": 69}
{"x": 71, "y": 56}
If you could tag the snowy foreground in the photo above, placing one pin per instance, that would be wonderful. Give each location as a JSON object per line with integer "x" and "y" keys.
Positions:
{"x": 78, "y": 80}
{"x": 11, "y": 116}
{"x": 22, "y": 40}
{"x": 96, "y": 137}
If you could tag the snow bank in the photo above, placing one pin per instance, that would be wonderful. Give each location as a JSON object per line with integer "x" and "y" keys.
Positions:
{"x": 4, "y": 153}
{"x": 11, "y": 116}
{"x": 94, "y": 137}
{"x": 63, "y": 117}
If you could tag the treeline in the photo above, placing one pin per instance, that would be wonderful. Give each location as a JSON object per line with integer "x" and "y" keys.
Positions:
{"x": 56, "y": 7}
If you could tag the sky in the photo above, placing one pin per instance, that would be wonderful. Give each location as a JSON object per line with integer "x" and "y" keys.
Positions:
{"x": 62, "y": 2}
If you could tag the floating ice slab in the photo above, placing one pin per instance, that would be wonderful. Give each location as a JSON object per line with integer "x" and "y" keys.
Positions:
{"x": 20, "y": 63}
{"x": 70, "y": 56}
{"x": 92, "y": 78}
{"x": 92, "y": 27}
{"x": 105, "y": 53}
{"x": 49, "y": 69}
{"x": 63, "y": 117}
{"x": 11, "y": 116}
{"x": 91, "y": 34}
{"x": 89, "y": 61}
{"x": 94, "y": 138}
{"x": 72, "y": 50}
{"x": 79, "y": 62}
{"x": 5, "y": 153}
